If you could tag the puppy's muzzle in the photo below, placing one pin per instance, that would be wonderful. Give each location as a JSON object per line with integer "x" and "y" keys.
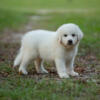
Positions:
{"x": 70, "y": 42}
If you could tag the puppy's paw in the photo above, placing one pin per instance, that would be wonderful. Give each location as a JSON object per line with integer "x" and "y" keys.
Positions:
{"x": 23, "y": 71}
{"x": 74, "y": 73}
{"x": 63, "y": 75}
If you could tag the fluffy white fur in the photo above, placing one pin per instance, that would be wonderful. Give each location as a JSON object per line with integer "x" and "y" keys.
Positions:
{"x": 60, "y": 46}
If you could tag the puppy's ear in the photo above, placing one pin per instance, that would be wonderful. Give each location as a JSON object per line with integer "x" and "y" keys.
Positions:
{"x": 80, "y": 34}
{"x": 60, "y": 40}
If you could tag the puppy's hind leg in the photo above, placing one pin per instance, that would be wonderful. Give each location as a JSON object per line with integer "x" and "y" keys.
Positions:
{"x": 25, "y": 60}
{"x": 39, "y": 66}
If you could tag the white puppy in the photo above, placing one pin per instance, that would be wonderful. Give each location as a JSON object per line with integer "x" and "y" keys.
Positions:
{"x": 60, "y": 46}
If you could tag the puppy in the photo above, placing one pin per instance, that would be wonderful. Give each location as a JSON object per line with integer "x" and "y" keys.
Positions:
{"x": 60, "y": 46}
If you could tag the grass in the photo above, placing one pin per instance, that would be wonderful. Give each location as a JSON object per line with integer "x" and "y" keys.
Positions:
{"x": 49, "y": 4}
{"x": 14, "y": 14}
{"x": 47, "y": 89}
{"x": 16, "y": 87}
{"x": 9, "y": 19}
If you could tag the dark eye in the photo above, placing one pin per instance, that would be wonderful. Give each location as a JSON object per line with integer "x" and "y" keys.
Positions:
{"x": 73, "y": 35}
{"x": 65, "y": 35}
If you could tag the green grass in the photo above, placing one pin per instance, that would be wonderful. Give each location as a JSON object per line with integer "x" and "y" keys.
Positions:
{"x": 16, "y": 87}
{"x": 20, "y": 88}
{"x": 14, "y": 14}
{"x": 9, "y": 19}
{"x": 48, "y": 4}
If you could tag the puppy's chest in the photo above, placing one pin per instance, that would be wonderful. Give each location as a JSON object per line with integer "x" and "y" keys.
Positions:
{"x": 69, "y": 55}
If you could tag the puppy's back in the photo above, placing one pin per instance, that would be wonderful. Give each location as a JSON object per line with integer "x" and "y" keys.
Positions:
{"x": 37, "y": 37}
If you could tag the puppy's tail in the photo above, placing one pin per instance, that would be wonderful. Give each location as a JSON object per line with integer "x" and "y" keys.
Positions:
{"x": 18, "y": 59}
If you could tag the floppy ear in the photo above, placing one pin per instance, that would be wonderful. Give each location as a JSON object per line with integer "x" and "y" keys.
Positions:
{"x": 59, "y": 39}
{"x": 80, "y": 35}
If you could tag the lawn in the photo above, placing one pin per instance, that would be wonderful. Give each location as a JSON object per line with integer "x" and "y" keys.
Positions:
{"x": 15, "y": 15}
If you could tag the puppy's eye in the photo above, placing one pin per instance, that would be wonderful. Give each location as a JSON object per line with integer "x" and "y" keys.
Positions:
{"x": 65, "y": 35}
{"x": 73, "y": 35}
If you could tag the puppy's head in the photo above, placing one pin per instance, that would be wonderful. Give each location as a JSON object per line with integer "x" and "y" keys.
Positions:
{"x": 69, "y": 35}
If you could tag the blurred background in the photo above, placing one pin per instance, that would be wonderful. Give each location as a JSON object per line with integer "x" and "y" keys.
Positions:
{"x": 20, "y": 16}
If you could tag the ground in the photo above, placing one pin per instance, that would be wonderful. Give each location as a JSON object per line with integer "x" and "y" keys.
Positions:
{"x": 18, "y": 17}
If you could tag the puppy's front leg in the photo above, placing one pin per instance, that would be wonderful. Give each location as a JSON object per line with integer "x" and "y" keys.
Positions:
{"x": 70, "y": 68}
{"x": 61, "y": 68}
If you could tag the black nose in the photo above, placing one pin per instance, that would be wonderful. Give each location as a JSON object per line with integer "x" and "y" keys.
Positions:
{"x": 69, "y": 42}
